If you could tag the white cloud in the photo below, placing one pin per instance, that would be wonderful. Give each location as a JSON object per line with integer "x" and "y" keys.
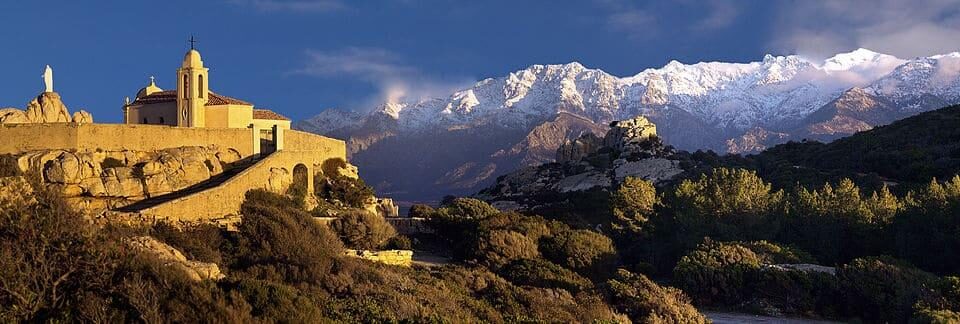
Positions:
{"x": 381, "y": 68}
{"x": 902, "y": 28}
{"x": 293, "y": 5}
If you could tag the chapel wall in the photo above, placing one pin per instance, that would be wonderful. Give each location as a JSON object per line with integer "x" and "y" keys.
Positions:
{"x": 157, "y": 114}
{"x": 302, "y": 141}
{"x": 156, "y": 137}
{"x": 17, "y": 138}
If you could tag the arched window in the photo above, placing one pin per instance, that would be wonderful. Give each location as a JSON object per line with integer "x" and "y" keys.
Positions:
{"x": 200, "y": 85}
{"x": 186, "y": 87}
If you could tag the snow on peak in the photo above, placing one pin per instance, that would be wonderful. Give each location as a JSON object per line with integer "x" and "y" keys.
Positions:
{"x": 739, "y": 95}
{"x": 860, "y": 58}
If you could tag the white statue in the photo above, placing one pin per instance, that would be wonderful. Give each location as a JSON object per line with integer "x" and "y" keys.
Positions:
{"x": 48, "y": 79}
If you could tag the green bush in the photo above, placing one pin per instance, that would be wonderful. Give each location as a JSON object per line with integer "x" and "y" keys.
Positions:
{"x": 587, "y": 252}
{"x": 363, "y": 230}
{"x": 399, "y": 242}
{"x": 278, "y": 241}
{"x": 798, "y": 292}
{"x": 421, "y": 211}
{"x": 646, "y": 302}
{"x": 496, "y": 248}
{"x": 352, "y": 192}
{"x": 544, "y": 274}
{"x": 718, "y": 273}
{"x": 883, "y": 289}
{"x": 201, "y": 242}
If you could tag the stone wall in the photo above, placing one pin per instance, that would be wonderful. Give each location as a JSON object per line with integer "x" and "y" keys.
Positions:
{"x": 273, "y": 173}
{"x": 391, "y": 257}
{"x": 18, "y": 138}
{"x": 302, "y": 141}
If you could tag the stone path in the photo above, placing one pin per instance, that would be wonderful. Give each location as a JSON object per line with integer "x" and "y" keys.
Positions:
{"x": 737, "y": 318}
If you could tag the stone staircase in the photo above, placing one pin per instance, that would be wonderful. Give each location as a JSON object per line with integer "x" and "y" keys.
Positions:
{"x": 212, "y": 182}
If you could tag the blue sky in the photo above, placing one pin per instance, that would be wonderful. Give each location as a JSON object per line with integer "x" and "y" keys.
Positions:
{"x": 299, "y": 57}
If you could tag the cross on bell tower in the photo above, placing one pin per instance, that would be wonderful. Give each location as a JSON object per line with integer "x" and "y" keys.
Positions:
{"x": 192, "y": 42}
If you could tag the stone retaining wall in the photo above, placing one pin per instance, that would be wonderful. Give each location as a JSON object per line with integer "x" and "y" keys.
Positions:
{"x": 391, "y": 257}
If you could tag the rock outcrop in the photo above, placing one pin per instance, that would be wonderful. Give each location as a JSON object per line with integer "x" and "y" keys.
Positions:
{"x": 82, "y": 117}
{"x": 13, "y": 116}
{"x": 94, "y": 180}
{"x": 629, "y": 149}
{"x": 579, "y": 148}
{"x": 172, "y": 257}
{"x": 45, "y": 108}
{"x": 48, "y": 108}
{"x": 626, "y": 135}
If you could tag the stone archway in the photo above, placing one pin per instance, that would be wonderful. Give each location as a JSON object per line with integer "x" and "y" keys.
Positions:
{"x": 302, "y": 179}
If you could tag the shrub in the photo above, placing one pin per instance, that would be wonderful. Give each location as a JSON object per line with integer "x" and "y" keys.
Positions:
{"x": 467, "y": 209}
{"x": 352, "y": 192}
{"x": 399, "y": 242}
{"x": 51, "y": 256}
{"x": 798, "y": 292}
{"x": 587, "y": 252}
{"x": 9, "y": 166}
{"x": 363, "y": 230}
{"x": 197, "y": 242}
{"x": 717, "y": 273}
{"x": 421, "y": 211}
{"x": 543, "y": 274}
{"x": 111, "y": 163}
{"x": 646, "y": 302}
{"x": 280, "y": 242}
{"x": 883, "y": 289}
{"x": 498, "y": 247}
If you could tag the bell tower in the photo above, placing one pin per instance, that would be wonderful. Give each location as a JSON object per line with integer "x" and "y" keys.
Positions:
{"x": 193, "y": 88}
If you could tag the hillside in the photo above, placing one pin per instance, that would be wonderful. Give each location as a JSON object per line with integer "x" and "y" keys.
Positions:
{"x": 911, "y": 150}
{"x": 459, "y": 143}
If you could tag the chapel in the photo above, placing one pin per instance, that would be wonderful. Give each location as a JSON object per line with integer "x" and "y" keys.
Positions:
{"x": 193, "y": 104}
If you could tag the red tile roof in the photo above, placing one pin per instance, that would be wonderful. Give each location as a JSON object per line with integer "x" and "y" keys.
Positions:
{"x": 213, "y": 99}
{"x": 267, "y": 114}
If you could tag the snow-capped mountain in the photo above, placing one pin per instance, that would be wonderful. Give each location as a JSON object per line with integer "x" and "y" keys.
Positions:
{"x": 469, "y": 137}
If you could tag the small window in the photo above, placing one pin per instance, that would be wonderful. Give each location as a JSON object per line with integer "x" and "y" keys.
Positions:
{"x": 161, "y": 120}
{"x": 144, "y": 120}
{"x": 200, "y": 85}
{"x": 186, "y": 87}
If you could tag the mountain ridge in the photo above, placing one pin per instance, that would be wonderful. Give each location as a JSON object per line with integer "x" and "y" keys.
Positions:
{"x": 726, "y": 107}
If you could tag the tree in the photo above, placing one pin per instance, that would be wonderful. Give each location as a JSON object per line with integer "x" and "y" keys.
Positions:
{"x": 729, "y": 204}
{"x": 632, "y": 205}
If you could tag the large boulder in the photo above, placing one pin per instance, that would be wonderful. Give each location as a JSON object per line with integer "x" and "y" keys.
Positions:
{"x": 65, "y": 169}
{"x": 173, "y": 258}
{"x": 48, "y": 108}
{"x": 82, "y": 117}
{"x": 626, "y": 135}
{"x": 13, "y": 116}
